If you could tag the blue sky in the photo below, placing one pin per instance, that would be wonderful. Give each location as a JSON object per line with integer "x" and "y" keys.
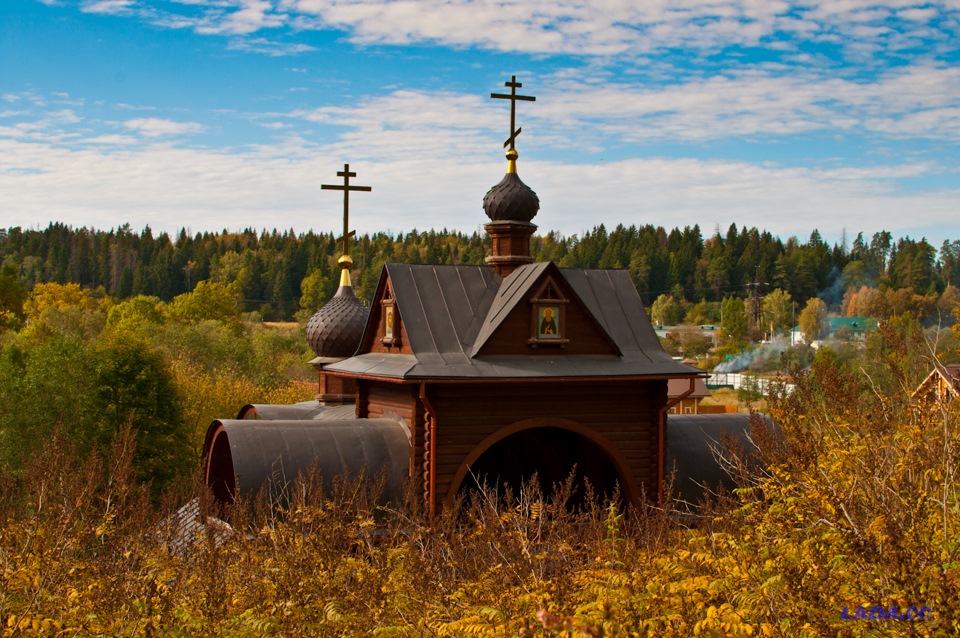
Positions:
{"x": 226, "y": 114}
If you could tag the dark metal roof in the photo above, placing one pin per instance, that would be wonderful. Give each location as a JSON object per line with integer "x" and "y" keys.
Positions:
{"x": 306, "y": 410}
{"x": 335, "y": 329}
{"x": 614, "y": 302}
{"x": 442, "y": 308}
{"x": 511, "y": 200}
{"x": 448, "y": 312}
{"x": 245, "y": 456}
{"x": 511, "y": 291}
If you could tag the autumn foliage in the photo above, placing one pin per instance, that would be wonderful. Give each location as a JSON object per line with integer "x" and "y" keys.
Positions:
{"x": 856, "y": 507}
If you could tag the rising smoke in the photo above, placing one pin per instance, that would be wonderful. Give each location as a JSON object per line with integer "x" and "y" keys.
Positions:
{"x": 763, "y": 356}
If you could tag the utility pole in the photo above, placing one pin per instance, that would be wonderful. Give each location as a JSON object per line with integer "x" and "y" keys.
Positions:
{"x": 753, "y": 294}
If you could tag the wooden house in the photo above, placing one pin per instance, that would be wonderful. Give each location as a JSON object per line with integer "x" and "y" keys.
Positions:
{"x": 940, "y": 387}
{"x": 690, "y": 403}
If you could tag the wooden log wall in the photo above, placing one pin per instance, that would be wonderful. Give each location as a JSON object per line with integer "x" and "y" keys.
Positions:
{"x": 377, "y": 399}
{"x": 625, "y": 413}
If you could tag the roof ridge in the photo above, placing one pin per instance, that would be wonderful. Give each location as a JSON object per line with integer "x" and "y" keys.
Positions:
{"x": 510, "y": 291}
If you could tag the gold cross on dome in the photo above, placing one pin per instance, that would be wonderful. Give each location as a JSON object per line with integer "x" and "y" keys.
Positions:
{"x": 346, "y": 174}
{"x": 513, "y": 97}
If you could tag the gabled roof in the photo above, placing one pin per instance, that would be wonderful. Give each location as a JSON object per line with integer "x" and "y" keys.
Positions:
{"x": 676, "y": 387}
{"x": 515, "y": 289}
{"x": 511, "y": 291}
{"x": 446, "y": 309}
{"x": 442, "y": 308}
{"x": 950, "y": 374}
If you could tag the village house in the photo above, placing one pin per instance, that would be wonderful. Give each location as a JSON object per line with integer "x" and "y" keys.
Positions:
{"x": 940, "y": 387}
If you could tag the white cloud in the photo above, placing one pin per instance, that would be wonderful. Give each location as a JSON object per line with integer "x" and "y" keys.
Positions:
{"x": 169, "y": 187}
{"x": 918, "y": 14}
{"x": 112, "y": 140}
{"x": 785, "y": 201}
{"x": 226, "y": 17}
{"x": 941, "y": 122}
{"x": 919, "y": 102}
{"x": 157, "y": 127}
{"x": 609, "y": 27}
{"x": 543, "y": 26}
{"x": 411, "y": 124}
{"x": 11, "y": 131}
{"x": 579, "y": 27}
{"x": 65, "y": 116}
{"x": 915, "y": 102}
{"x": 48, "y": 126}
{"x": 269, "y": 47}
{"x": 247, "y": 17}
{"x": 27, "y": 97}
{"x": 109, "y": 7}
{"x": 133, "y": 107}
{"x": 207, "y": 3}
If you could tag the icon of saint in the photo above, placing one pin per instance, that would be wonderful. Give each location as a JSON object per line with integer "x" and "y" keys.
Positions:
{"x": 548, "y": 324}
{"x": 388, "y": 322}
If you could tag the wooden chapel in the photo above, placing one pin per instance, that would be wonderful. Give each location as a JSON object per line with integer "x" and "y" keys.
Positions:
{"x": 458, "y": 375}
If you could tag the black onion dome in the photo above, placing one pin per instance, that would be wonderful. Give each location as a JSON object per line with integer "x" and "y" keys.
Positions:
{"x": 511, "y": 199}
{"x": 335, "y": 330}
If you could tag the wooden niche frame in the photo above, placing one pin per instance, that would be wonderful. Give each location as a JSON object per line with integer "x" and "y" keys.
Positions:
{"x": 548, "y": 316}
{"x": 389, "y": 319}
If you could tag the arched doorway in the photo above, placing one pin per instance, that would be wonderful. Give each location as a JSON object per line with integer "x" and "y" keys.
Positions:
{"x": 549, "y": 448}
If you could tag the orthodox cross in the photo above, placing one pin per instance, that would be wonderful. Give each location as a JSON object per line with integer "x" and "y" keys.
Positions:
{"x": 513, "y": 97}
{"x": 346, "y": 174}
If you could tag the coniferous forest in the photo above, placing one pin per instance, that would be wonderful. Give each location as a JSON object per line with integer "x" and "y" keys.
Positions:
{"x": 278, "y": 273}
{"x": 117, "y": 350}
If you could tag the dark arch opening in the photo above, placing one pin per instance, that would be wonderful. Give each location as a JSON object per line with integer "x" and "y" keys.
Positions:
{"x": 551, "y": 453}
{"x": 221, "y": 476}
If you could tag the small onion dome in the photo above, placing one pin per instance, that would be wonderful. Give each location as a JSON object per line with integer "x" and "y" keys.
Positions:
{"x": 335, "y": 330}
{"x": 511, "y": 199}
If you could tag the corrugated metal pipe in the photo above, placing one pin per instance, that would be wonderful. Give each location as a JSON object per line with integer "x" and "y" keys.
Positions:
{"x": 701, "y": 449}
{"x": 243, "y": 457}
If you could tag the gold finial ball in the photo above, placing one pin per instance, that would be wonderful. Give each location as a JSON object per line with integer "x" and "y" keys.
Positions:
{"x": 512, "y": 154}
{"x": 345, "y": 260}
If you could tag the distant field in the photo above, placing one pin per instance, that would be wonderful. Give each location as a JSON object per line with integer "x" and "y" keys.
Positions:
{"x": 728, "y": 396}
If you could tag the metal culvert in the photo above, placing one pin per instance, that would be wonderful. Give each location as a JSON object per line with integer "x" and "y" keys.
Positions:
{"x": 242, "y": 457}
{"x": 693, "y": 443}
{"x": 296, "y": 411}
